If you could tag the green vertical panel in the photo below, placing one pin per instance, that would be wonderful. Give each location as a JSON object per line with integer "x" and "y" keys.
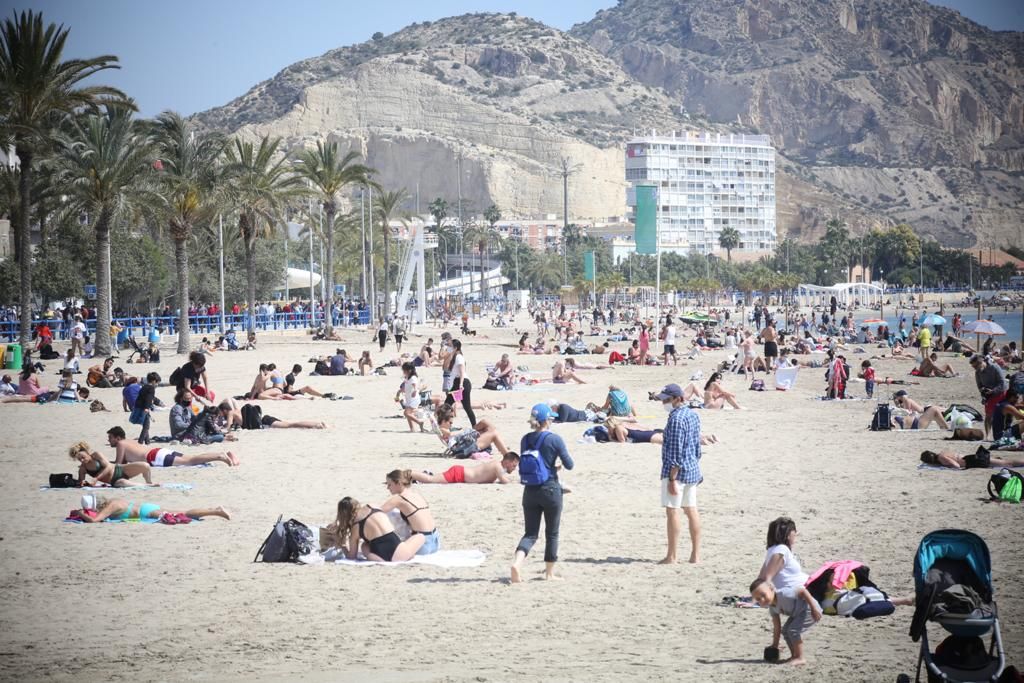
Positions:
{"x": 646, "y": 219}
{"x": 588, "y": 265}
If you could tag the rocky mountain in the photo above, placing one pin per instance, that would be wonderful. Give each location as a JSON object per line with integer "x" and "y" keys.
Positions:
{"x": 875, "y": 117}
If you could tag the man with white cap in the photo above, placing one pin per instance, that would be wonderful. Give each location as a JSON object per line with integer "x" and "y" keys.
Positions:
{"x": 680, "y": 470}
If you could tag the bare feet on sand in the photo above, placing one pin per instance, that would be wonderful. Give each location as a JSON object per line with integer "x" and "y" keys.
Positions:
{"x": 669, "y": 560}
{"x": 222, "y": 512}
{"x": 233, "y": 458}
{"x": 516, "y": 577}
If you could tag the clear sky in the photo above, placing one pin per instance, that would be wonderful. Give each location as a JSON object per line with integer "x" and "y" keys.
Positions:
{"x": 190, "y": 55}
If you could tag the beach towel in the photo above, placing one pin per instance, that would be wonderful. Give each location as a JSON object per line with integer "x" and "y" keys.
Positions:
{"x": 148, "y": 520}
{"x": 174, "y": 486}
{"x": 925, "y": 466}
{"x": 442, "y": 558}
{"x": 785, "y": 378}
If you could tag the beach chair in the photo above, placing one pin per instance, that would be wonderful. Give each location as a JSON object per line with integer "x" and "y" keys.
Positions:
{"x": 953, "y": 588}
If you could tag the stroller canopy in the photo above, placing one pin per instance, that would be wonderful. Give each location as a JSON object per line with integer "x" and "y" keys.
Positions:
{"x": 953, "y": 544}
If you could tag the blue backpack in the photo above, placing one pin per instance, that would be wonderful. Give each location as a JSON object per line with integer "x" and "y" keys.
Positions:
{"x": 533, "y": 469}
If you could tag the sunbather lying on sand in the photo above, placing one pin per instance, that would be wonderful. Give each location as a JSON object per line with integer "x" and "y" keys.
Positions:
{"x": 98, "y": 508}
{"x": 130, "y": 450}
{"x": 980, "y": 458}
{"x": 486, "y": 472}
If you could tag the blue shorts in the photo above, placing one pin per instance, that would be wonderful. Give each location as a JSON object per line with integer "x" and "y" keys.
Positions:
{"x": 431, "y": 543}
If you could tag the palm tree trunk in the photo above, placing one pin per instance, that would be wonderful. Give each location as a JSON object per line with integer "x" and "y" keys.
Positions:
{"x": 329, "y": 270}
{"x": 25, "y": 242}
{"x": 482, "y": 277}
{"x": 248, "y": 239}
{"x": 387, "y": 267}
{"x": 181, "y": 265}
{"x": 102, "y": 228}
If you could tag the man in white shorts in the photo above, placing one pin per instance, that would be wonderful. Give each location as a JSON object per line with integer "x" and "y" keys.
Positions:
{"x": 680, "y": 471}
{"x": 670, "y": 341}
{"x": 129, "y": 450}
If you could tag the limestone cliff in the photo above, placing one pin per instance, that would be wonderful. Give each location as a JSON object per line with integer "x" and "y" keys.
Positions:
{"x": 877, "y": 114}
{"x": 898, "y": 107}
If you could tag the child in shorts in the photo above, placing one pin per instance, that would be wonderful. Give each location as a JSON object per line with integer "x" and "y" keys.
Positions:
{"x": 867, "y": 373}
{"x": 796, "y": 603}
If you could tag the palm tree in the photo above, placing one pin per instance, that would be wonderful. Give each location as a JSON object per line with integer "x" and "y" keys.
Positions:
{"x": 729, "y": 239}
{"x": 259, "y": 183}
{"x": 482, "y": 237}
{"x": 189, "y": 180}
{"x": 439, "y": 210}
{"x": 545, "y": 272}
{"x": 330, "y": 173}
{"x": 103, "y": 160}
{"x": 388, "y": 205}
{"x": 38, "y": 87}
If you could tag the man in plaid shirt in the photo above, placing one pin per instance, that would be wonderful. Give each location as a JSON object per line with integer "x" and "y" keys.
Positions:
{"x": 680, "y": 470}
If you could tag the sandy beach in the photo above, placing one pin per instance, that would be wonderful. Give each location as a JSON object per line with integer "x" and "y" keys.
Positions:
{"x": 153, "y": 603}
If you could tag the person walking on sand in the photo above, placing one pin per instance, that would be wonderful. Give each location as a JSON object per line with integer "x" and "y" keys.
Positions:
{"x": 680, "y": 471}
{"x": 540, "y": 451}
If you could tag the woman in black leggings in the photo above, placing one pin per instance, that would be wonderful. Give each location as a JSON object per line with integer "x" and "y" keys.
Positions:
{"x": 542, "y": 499}
{"x": 456, "y": 367}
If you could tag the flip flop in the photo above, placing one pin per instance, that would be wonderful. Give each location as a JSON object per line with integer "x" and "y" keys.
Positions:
{"x": 168, "y": 518}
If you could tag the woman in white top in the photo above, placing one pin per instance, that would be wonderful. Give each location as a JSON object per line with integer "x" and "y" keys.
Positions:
{"x": 409, "y": 396}
{"x": 71, "y": 361}
{"x": 456, "y": 367}
{"x": 781, "y": 566}
{"x": 382, "y": 334}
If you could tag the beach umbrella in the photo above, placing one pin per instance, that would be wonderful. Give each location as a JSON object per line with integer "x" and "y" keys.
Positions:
{"x": 932, "y": 319}
{"x": 984, "y": 327}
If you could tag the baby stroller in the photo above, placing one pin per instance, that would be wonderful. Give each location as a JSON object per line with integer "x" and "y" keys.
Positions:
{"x": 953, "y": 588}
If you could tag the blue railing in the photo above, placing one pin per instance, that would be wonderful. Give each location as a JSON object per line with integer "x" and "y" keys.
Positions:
{"x": 202, "y": 324}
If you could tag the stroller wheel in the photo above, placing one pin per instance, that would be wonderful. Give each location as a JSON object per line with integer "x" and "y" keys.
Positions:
{"x": 903, "y": 678}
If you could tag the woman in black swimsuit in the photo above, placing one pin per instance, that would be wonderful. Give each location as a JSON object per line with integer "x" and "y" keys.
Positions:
{"x": 413, "y": 508}
{"x": 359, "y": 522}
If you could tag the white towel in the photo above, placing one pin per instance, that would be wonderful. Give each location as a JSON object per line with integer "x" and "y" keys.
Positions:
{"x": 442, "y": 558}
{"x": 785, "y": 378}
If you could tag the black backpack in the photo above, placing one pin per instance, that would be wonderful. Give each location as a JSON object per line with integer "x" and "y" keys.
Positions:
{"x": 175, "y": 378}
{"x": 252, "y": 417}
{"x": 464, "y": 445}
{"x": 287, "y": 542}
{"x": 1000, "y": 479}
{"x": 881, "y": 421}
{"x": 62, "y": 481}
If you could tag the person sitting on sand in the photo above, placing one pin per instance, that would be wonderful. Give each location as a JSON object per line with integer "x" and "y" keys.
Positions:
{"x": 230, "y": 414}
{"x": 562, "y": 375}
{"x": 100, "y": 508}
{"x": 425, "y": 358}
{"x": 616, "y": 404}
{"x": 920, "y": 416}
{"x": 101, "y": 376}
{"x": 715, "y": 397}
{"x": 361, "y": 529}
{"x": 486, "y": 433}
{"x": 981, "y": 458}
{"x": 413, "y": 508}
{"x": 194, "y": 426}
{"x": 261, "y": 392}
{"x": 503, "y": 372}
{"x": 483, "y": 472}
{"x": 408, "y": 397}
{"x": 930, "y": 368}
{"x": 337, "y": 363}
{"x": 128, "y": 450}
{"x": 93, "y": 464}
{"x": 289, "y": 384}
{"x": 192, "y": 376}
{"x": 1006, "y": 411}
{"x": 365, "y": 364}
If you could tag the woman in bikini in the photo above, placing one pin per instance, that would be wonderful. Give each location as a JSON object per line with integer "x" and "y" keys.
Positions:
{"x": 715, "y": 396}
{"x": 93, "y": 464}
{"x": 486, "y": 433}
{"x": 360, "y": 528}
{"x": 365, "y": 364}
{"x": 98, "y": 509}
{"x": 413, "y": 508}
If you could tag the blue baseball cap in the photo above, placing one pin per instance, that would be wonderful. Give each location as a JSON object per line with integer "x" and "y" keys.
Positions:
{"x": 670, "y": 391}
{"x": 541, "y": 412}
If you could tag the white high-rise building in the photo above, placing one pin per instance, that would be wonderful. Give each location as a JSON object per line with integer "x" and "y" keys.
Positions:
{"x": 706, "y": 182}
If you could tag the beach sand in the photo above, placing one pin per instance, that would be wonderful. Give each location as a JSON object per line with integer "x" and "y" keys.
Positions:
{"x": 150, "y": 602}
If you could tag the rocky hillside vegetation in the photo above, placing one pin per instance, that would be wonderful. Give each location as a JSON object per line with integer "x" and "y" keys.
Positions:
{"x": 506, "y": 98}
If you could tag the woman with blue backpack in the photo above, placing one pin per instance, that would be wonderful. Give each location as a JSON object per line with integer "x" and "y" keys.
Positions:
{"x": 540, "y": 453}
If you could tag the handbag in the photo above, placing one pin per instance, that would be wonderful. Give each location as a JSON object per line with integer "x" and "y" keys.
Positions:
{"x": 62, "y": 481}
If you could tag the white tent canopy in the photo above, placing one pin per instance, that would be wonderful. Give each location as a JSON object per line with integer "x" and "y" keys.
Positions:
{"x": 869, "y": 295}
{"x": 299, "y": 279}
